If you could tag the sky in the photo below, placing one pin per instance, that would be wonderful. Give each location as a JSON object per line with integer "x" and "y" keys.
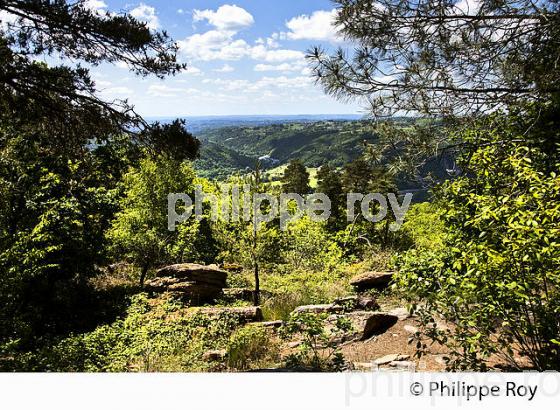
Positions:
{"x": 245, "y": 57}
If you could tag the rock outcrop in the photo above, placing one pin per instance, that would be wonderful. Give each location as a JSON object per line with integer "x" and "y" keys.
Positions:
{"x": 274, "y": 324}
{"x": 329, "y": 308}
{"x": 357, "y": 302}
{"x": 371, "y": 280}
{"x": 239, "y": 294}
{"x": 245, "y": 314}
{"x": 364, "y": 324}
{"x": 345, "y": 304}
{"x": 189, "y": 281}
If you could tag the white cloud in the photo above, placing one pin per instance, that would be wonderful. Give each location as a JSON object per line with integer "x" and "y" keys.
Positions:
{"x": 95, "y": 5}
{"x": 192, "y": 70}
{"x": 146, "y": 14}
{"x": 119, "y": 92}
{"x": 318, "y": 26}
{"x": 225, "y": 69}
{"x": 470, "y": 7}
{"x": 298, "y": 66}
{"x": 6, "y": 19}
{"x": 205, "y": 46}
{"x": 270, "y": 41}
{"x": 221, "y": 45}
{"x": 274, "y": 56}
{"x": 162, "y": 90}
{"x": 227, "y": 17}
{"x": 265, "y": 84}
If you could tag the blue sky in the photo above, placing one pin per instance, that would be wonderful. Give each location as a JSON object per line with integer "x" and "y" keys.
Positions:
{"x": 245, "y": 57}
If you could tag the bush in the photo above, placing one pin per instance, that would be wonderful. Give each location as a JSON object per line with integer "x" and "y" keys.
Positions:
{"x": 498, "y": 277}
{"x": 309, "y": 245}
{"x": 424, "y": 227}
{"x": 139, "y": 233}
{"x": 250, "y": 346}
{"x": 292, "y": 287}
{"x": 154, "y": 335}
{"x": 318, "y": 344}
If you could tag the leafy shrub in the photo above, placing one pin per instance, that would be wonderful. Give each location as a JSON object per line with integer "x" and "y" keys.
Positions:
{"x": 280, "y": 306}
{"x": 424, "y": 227}
{"x": 309, "y": 245}
{"x": 153, "y": 336}
{"x": 498, "y": 278}
{"x": 318, "y": 347}
{"x": 297, "y": 287}
{"x": 249, "y": 346}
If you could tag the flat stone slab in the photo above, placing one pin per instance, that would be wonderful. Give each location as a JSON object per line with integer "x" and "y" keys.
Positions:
{"x": 401, "y": 313}
{"x": 390, "y": 358}
{"x": 194, "y": 291}
{"x": 372, "y": 280}
{"x": 274, "y": 324}
{"x": 404, "y": 365}
{"x": 357, "y": 302}
{"x": 329, "y": 308}
{"x": 363, "y": 366}
{"x": 245, "y": 314}
{"x": 193, "y": 272}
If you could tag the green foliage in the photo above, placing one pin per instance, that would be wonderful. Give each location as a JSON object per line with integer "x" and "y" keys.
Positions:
{"x": 236, "y": 243}
{"x": 140, "y": 233}
{"x": 62, "y": 152}
{"x": 310, "y": 246}
{"x": 296, "y": 179}
{"x": 308, "y": 269}
{"x": 497, "y": 279}
{"x": 62, "y": 99}
{"x": 399, "y": 65}
{"x": 151, "y": 337}
{"x": 238, "y": 147}
{"x": 330, "y": 183}
{"x": 220, "y": 162}
{"x": 292, "y": 286}
{"x": 318, "y": 346}
{"x": 53, "y": 214}
{"x": 251, "y": 346}
{"x": 424, "y": 227}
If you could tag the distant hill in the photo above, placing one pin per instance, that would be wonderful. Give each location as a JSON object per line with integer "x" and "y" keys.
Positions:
{"x": 231, "y": 148}
{"x": 219, "y": 162}
{"x": 198, "y": 124}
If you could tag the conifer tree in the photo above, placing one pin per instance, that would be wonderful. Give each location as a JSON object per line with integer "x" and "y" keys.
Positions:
{"x": 296, "y": 179}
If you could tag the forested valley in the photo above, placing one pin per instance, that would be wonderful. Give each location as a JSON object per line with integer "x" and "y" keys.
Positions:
{"x": 467, "y": 120}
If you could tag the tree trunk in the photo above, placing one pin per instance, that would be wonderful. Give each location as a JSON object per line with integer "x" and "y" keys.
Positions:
{"x": 257, "y": 293}
{"x": 386, "y": 234}
{"x": 143, "y": 274}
